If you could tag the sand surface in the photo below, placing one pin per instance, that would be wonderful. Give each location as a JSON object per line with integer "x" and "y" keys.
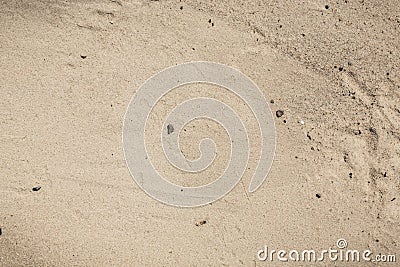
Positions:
{"x": 69, "y": 69}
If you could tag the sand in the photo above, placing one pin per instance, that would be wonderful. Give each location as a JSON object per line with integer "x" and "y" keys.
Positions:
{"x": 70, "y": 69}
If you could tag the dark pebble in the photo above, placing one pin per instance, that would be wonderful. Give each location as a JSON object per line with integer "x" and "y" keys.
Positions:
{"x": 37, "y": 188}
{"x": 326, "y": 7}
{"x": 83, "y": 56}
{"x": 201, "y": 223}
{"x": 1, "y": 231}
{"x": 318, "y": 195}
{"x": 351, "y": 175}
{"x": 372, "y": 130}
{"x": 181, "y": 7}
{"x": 279, "y": 113}
{"x": 170, "y": 129}
{"x": 272, "y": 101}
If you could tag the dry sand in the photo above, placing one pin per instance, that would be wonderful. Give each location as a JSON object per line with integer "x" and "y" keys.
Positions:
{"x": 69, "y": 70}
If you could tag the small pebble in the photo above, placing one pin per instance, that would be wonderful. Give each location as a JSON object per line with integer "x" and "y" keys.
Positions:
{"x": 37, "y": 188}
{"x": 318, "y": 195}
{"x": 279, "y": 113}
{"x": 372, "y": 130}
{"x": 83, "y": 56}
{"x": 170, "y": 129}
{"x": 301, "y": 122}
{"x": 201, "y": 223}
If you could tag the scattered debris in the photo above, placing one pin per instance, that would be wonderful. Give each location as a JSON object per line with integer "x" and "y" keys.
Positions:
{"x": 37, "y": 188}
{"x": 201, "y": 222}
{"x": 279, "y": 113}
{"x": 170, "y": 129}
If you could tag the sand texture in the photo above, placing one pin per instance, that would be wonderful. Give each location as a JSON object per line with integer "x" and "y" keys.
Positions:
{"x": 69, "y": 69}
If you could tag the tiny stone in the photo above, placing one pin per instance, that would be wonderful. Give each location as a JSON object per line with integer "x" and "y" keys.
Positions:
{"x": 326, "y": 7}
{"x": 301, "y": 122}
{"x": 351, "y": 175}
{"x": 372, "y": 130}
{"x": 1, "y": 231}
{"x": 170, "y": 129}
{"x": 37, "y": 188}
{"x": 279, "y": 113}
{"x": 201, "y": 223}
{"x": 181, "y": 7}
{"x": 318, "y": 195}
{"x": 340, "y": 68}
{"x": 272, "y": 101}
{"x": 83, "y": 56}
